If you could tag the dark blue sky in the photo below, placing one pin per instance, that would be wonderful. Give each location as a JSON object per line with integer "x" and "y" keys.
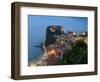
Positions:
{"x": 37, "y": 28}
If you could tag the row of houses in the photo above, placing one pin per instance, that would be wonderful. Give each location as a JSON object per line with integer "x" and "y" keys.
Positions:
{"x": 81, "y": 36}
{"x": 54, "y": 32}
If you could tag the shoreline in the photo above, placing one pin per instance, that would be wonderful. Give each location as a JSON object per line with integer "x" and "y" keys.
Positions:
{"x": 39, "y": 62}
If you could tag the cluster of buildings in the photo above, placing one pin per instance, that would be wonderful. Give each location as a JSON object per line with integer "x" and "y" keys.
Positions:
{"x": 55, "y": 33}
{"x": 81, "y": 36}
{"x": 57, "y": 42}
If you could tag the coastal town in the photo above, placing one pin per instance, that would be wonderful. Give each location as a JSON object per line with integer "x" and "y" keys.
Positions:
{"x": 60, "y": 48}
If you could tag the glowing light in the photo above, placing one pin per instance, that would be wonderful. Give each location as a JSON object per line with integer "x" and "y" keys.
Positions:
{"x": 74, "y": 33}
{"x": 51, "y": 52}
{"x": 62, "y": 42}
{"x": 83, "y": 33}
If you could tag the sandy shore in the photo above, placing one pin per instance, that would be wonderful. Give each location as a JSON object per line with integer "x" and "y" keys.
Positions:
{"x": 40, "y": 61}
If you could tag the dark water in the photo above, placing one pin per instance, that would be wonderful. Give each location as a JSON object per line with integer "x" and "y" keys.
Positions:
{"x": 37, "y": 28}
